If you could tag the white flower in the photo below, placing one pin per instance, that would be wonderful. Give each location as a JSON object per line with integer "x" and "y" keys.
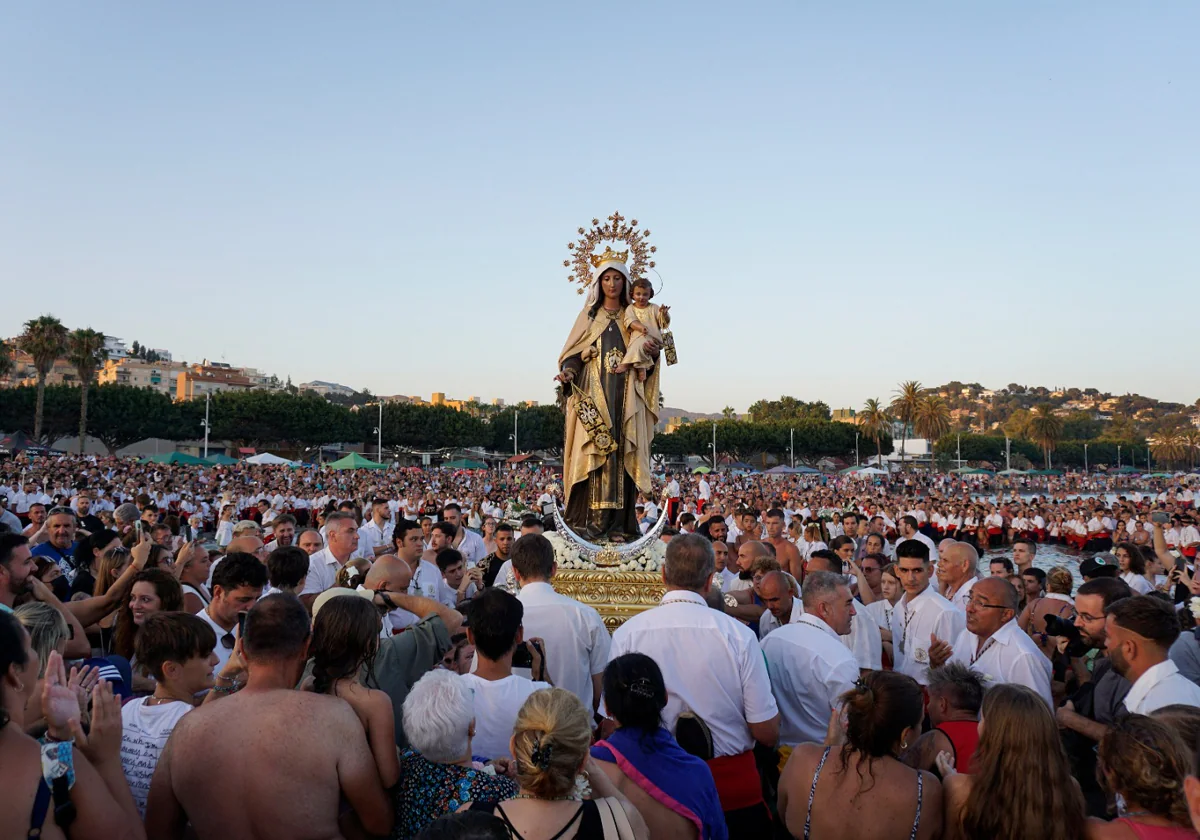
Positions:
{"x": 1194, "y": 606}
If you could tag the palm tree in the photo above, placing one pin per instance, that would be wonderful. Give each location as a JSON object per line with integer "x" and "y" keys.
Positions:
{"x": 6, "y": 360}
{"x": 1045, "y": 427}
{"x": 1191, "y": 437}
{"x": 729, "y": 412}
{"x": 904, "y": 406}
{"x": 44, "y": 339}
{"x": 85, "y": 350}
{"x": 932, "y": 418}
{"x": 875, "y": 423}
{"x": 1169, "y": 446}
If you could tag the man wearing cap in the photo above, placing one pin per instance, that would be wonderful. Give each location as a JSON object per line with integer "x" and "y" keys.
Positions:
{"x": 1102, "y": 565}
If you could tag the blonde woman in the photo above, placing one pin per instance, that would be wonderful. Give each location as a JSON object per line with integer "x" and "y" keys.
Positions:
{"x": 550, "y": 745}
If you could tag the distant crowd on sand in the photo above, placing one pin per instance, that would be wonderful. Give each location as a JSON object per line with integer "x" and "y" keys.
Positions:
{"x": 385, "y": 654}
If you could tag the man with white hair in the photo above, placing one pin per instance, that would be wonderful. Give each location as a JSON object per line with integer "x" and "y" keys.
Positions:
{"x": 810, "y": 667}
{"x": 439, "y": 719}
{"x": 957, "y": 572}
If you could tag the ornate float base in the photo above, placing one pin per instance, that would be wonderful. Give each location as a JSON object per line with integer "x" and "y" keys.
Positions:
{"x": 616, "y": 595}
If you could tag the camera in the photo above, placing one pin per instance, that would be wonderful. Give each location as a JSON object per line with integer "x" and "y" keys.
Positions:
{"x": 1058, "y": 626}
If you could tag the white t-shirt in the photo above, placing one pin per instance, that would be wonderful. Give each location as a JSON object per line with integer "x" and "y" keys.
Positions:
{"x": 496, "y": 705}
{"x": 144, "y": 733}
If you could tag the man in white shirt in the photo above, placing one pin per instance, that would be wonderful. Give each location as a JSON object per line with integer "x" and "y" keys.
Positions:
{"x": 237, "y": 585}
{"x": 465, "y": 540}
{"x": 341, "y": 537}
{"x": 908, "y": 531}
{"x": 864, "y": 639}
{"x": 713, "y": 667}
{"x": 426, "y": 578}
{"x": 577, "y": 642}
{"x": 1140, "y": 631}
{"x": 922, "y": 616}
{"x": 994, "y": 645}
{"x": 375, "y": 537}
{"x": 809, "y": 666}
{"x": 957, "y": 572}
{"x": 494, "y": 626}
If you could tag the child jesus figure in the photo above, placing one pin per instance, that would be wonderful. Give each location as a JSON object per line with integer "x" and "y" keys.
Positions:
{"x": 645, "y": 321}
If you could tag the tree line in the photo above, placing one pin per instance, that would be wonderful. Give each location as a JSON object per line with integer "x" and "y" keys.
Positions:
{"x": 120, "y": 415}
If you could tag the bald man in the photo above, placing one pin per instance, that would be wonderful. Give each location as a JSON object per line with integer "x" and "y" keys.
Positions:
{"x": 994, "y": 644}
{"x": 778, "y": 593}
{"x": 403, "y": 658}
{"x": 747, "y": 553}
{"x": 957, "y": 572}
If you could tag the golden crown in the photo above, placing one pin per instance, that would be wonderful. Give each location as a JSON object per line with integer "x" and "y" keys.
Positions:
{"x": 584, "y": 257}
{"x": 609, "y": 254}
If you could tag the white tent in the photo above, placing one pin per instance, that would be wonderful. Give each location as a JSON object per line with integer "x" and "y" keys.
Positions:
{"x": 267, "y": 458}
{"x": 870, "y": 471}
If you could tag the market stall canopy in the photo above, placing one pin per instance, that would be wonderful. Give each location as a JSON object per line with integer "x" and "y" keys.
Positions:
{"x": 221, "y": 459}
{"x": 354, "y": 461}
{"x": 1014, "y": 472}
{"x": 176, "y": 458}
{"x": 972, "y": 471}
{"x": 702, "y": 471}
{"x": 465, "y": 464}
{"x": 268, "y": 459}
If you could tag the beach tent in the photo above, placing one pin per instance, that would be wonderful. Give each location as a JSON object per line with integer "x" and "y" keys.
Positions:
{"x": 221, "y": 459}
{"x": 176, "y": 458}
{"x": 465, "y": 464}
{"x": 702, "y": 471}
{"x": 872, "y": 471}
{"x": 1044, "y": 472}
{"x": 1014, "y": 472}
{"x": 1125, "y": 470}
{"x": 268, "y": 459}
{"x": 974, "y": 471}
{"x": 354, "y": 461}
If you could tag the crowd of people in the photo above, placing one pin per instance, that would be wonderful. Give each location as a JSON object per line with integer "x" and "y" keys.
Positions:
{"x": 269, "y": 652}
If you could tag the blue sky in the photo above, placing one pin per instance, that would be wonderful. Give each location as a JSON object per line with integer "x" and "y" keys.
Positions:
{"x": 843, "y": 195}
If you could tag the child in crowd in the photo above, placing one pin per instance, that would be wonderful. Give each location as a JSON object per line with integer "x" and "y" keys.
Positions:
{"x": 177, "y": 649}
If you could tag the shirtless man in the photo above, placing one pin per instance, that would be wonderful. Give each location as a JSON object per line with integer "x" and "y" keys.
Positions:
{"x": 268, "y": 761}
{"x": 785, "y": 552}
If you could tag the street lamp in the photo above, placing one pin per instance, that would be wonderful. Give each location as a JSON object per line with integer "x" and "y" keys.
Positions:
{"x": 379, "y": 432}
{"x": 205, "y": 423}
{"x": 1085, "y": 463}
{"x": 792, "y": 445}
{"x": 714, "y": 445}
{"x": 514, "y": 432}
{"x": 1118, "y": 456}
{"x": 857, "y": 460}
{"x": 1007, "y": 453}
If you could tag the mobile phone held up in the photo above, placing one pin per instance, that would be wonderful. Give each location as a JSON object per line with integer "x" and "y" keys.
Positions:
{"x": 1160, "y": 517}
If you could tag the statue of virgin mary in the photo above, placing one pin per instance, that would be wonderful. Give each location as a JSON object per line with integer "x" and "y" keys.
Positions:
{"x": 610, "y": 415}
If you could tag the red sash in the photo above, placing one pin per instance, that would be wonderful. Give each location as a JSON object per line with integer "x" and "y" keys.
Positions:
{"x": 738, "y": 785}
{"x": 1189, "y": 551}
{"x": 993, "y": 531}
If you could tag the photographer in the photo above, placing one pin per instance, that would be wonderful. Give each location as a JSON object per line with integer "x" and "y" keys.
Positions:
{"x": 1091, "y": 710}
{"x": 494, "y": 626}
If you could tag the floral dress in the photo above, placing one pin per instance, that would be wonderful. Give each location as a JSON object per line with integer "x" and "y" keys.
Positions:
{"x": 428, "y": 790}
